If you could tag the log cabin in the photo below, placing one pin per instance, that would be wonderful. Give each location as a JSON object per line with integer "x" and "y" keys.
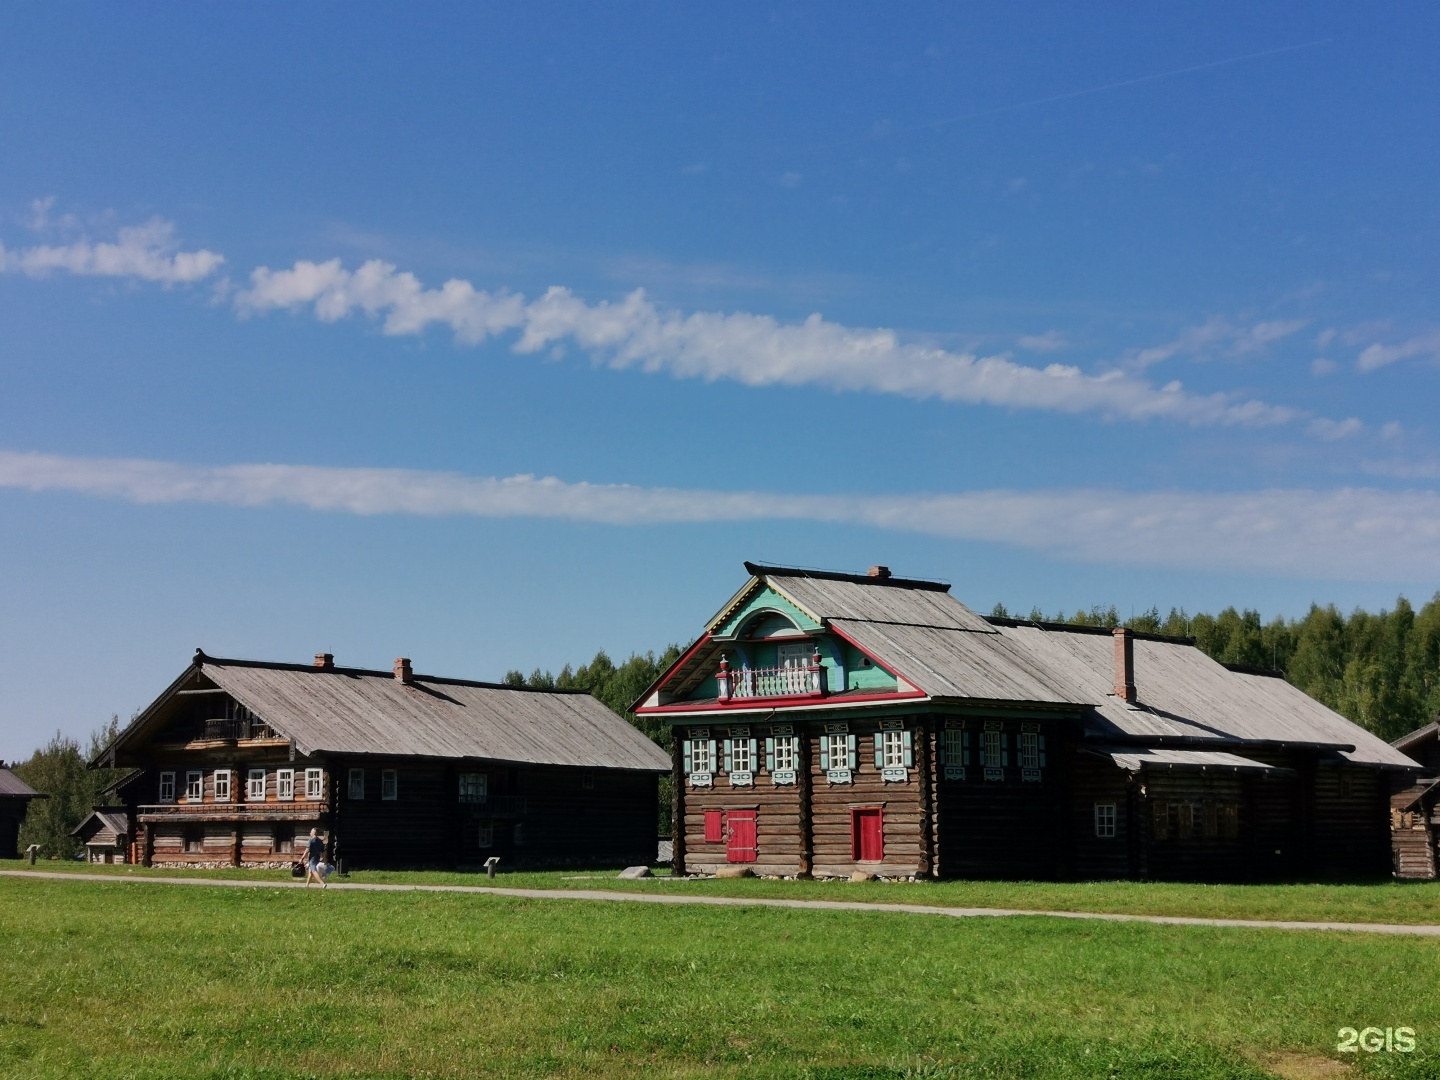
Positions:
{"x": 15, "y": 799}
{"x": 238, "y": 760}
{"x": 830, "y": 724}
{"x": 1415, "y": 807}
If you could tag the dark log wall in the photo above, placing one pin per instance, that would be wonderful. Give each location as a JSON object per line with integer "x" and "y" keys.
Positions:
{"x": 1094, "y": 780}
{"x": 1352, "y": 822}
{"x": 903, "y": 812}
{"x": 11, "y": 815}
{"x": 1189, "y": 836}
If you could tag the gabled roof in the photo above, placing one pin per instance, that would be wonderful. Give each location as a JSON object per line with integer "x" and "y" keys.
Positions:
{"x": 1414, "y": 739}
{"x": 112, "y": 822}
{"x": 360, "y": 711}
{"x": 917, "y": 630}
{"x": 11, "y": 786}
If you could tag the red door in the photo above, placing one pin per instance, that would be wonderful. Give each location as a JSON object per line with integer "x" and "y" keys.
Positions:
{"x": 742, "y": 836}
{"x": 867, "y": 835}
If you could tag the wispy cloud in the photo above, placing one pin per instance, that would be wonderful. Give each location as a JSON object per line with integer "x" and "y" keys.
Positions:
{"x": 1216, "y": 337}
{"x": 1049, "y": 341}
{"x": 149, "y": 252}
{"x": 1346, "y": 535}
{"x": 756, "y": 350}
{"x": 1377, "y": 356}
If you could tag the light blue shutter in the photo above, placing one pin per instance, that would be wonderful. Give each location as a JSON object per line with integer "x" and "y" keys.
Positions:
{"x": 909, "y": 748}
{"x": 1005, "y": 749}
{"x": 712, "y": 755}
{"x": 1041, "y": 740}
{"x": 854, "y": 757}
{"x": 965, "y": 747}
{"x": 879, "y": 750}
{"x": 729, "y": 750}
{"x": 825, "y": 752}
{"x": 770, "y": 755}
{"x": 752, "y": 753}
{"x": 688, "y": 769}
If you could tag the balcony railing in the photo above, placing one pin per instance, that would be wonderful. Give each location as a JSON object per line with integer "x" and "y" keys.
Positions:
{"x": 232, "y": 730}
{"x": 778, "y": 682}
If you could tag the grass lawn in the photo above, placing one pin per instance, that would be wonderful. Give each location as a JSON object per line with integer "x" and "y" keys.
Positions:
{"x": 127, "y": 981}
{"x": 1385, "y": 901}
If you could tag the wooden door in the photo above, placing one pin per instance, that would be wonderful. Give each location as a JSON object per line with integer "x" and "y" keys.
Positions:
{"x": 867, "y": 835}
{"x": 742, "y": 836}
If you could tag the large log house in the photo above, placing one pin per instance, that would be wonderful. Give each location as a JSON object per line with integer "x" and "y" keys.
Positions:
{"x": 238, "y": 760}
{"x": 831, "y": 723}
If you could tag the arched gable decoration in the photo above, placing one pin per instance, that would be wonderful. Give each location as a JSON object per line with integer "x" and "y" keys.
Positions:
{"x": 768, "y": 623}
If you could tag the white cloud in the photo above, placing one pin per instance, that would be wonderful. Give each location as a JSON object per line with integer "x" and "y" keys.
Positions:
{"x": 1377, "y": 356}
{"x": 1320, "y": 367}
{"x": 148, "y": 252}
{"x": 1217, "y": 336}
{"x": 1331, "y": 430}
{"x": 1345, "y": 535}
{"x": 756, "y": 350}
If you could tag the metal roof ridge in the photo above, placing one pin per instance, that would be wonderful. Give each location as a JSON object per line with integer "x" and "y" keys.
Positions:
{"x": 444, "y": 680}
{"x": 763, "y": 570}
{"x": 1081, "y": 628}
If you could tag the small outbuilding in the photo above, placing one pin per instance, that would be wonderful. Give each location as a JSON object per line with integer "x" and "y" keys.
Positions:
{"x": 106, "y": 835}
{"x": 1415, "y": 807}
{"x": 15, "y": 798}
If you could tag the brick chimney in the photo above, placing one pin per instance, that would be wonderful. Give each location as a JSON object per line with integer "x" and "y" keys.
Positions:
{"x": 878, "y": 572}
{"x": 403, "y": 671}
{"x": 325, "y": 661}
{"x": 1124, "y": 664}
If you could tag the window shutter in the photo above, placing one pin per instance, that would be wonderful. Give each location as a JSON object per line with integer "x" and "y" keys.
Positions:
{"x": 688, "y": 769}
{"x": 909, "y": 741}
{"x": 752, "y": 753}
{"x": 825, "y": 752}
{"x": 1005, "y": 749}
{"x": 854, "y": 757}
{"x": 879, "y": 750}
{"x": 1040, "y": 740}
{"x": 712, "y": 755}
{"x": 770, "y": 754}
{"x": 729, "y": 750}
{"x": 965, "y": 747}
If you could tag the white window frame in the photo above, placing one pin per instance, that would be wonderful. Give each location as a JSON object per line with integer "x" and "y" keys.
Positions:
{"x": 285, "y": 784}
{"x": 740, "y": 760}
{"x": 1105, "y": 821}
{"x": 700, "y": 756}
{"x": 992, "y": 745}
{"x": 355, "y": 783}
{"x": 838, "y": 746}
{"x": 474, "y": 787}
{"x": 223, "y": 785}
{"x": 166, "y": 792}
{"x": 1029, "y": 750}
{"x": 255, "y": 786}
{"x": 194, "y": 785}
{"x": 787, "y": 752}
{"x": 389, "y": 785}
{"x": 892, "y": 749}
{"x": 314, "y": 784}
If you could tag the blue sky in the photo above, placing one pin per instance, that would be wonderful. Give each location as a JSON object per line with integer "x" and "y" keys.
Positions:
{"x": 492, "y": 336}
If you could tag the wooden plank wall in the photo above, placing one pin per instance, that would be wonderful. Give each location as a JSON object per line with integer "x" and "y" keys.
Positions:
{"x": 1412, "y": 834}
{"x": 1194, "y": 802}
{"x": 1096, "y": 780}
{"x": 1352, "y": 826}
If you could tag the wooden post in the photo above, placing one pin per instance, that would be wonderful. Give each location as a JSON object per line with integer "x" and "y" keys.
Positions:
{"x": 147, "y": 844}
{"x": 677, "y": 805}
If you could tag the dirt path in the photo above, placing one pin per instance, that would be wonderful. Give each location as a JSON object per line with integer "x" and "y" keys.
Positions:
{"x": 738, "y": 901}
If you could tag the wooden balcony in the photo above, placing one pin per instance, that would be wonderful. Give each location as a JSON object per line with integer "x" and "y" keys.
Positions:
{"x": 777, "y": 682}
{"x": 181, "y": 813}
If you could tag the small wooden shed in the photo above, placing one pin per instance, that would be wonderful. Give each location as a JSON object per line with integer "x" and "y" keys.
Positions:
{"x": 106, "y": 835}
{"x": 1415, "y": 808}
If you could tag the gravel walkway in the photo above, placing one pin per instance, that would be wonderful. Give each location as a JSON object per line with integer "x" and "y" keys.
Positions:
{"x": 737, "y": 901}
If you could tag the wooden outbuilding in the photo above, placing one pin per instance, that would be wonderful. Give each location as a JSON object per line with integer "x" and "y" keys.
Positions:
{"x": 829, "y": 723}
{"x": 1415, "y": 808}
{"x": 15, "y": 799}
{"x": 239, "y": 759}
{"x": 106, "y": 835}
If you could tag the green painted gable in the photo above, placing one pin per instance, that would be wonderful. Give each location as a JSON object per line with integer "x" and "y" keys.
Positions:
{"x": 764, "y": 598}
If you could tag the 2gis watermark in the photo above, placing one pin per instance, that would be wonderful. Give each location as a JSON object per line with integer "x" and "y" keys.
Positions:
{"x": 1373, "y": 1040}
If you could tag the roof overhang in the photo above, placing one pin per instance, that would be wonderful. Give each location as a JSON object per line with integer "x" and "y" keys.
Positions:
{"x": 1165, "y": 759}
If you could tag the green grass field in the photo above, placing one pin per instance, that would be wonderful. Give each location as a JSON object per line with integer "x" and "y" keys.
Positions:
{"x": 127, "y": 980}
{"x": 1387, "y": 902}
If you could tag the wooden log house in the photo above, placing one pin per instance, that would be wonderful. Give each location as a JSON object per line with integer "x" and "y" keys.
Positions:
{"x": 15, "y": 799}
{"x": 1415, "y": 808}
{"x": 239, "y": 759}
{"x": 829, "y": 723}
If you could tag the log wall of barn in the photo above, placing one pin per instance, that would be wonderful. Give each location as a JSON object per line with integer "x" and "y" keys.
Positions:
{"x": 1096, "y": 781}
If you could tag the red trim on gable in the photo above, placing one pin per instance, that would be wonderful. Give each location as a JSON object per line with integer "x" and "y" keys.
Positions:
{"x": 676, "y": 667}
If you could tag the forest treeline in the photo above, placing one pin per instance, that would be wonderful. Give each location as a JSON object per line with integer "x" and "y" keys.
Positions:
{"x": 1380, "y": 670}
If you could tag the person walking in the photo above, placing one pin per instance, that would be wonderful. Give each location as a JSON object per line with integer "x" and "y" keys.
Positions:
{"x": 314, "y": 854}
